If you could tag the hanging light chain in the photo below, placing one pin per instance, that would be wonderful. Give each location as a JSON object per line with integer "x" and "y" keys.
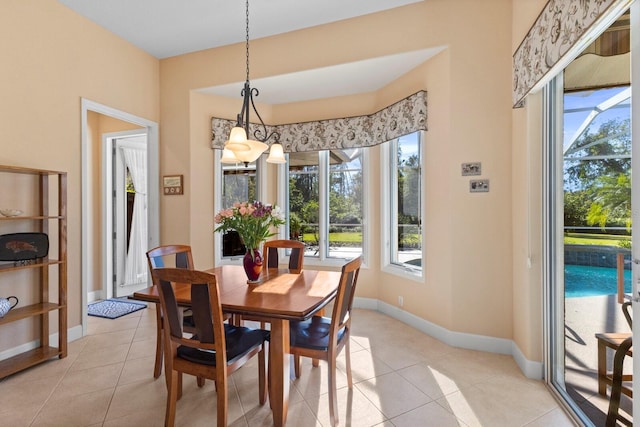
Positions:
{"x": 247, "y": 42}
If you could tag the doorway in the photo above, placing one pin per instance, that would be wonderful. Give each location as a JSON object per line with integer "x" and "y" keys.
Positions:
{"x": 95, "y": 253}
{"x": 125, "y": 212}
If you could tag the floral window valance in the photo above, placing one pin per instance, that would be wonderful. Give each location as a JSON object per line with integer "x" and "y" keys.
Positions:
{"x": 404, "y": 117}
{"x": 556, "y": 38}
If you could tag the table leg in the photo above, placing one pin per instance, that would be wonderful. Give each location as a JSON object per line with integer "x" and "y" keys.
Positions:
{"x": 602, "y": 368}
{"x": 280, "y": 365}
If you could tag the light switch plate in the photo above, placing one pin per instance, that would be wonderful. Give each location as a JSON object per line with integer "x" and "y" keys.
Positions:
{"x": 479, "y": 186}
{"x": 474, "y": 168}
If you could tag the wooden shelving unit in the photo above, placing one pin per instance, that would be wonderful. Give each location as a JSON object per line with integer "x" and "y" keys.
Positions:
{"x": 40, "y": 310}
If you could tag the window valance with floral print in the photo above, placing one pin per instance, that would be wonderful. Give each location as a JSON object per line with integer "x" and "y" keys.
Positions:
{"x": 556, "y": 38}
{"x": 404, "y": 117}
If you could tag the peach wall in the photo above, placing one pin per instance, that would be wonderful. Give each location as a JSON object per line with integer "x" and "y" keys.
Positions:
{"x": 527, "y": 202}
{"x": 469, "y": 280}
{"x": 51, "y": 58}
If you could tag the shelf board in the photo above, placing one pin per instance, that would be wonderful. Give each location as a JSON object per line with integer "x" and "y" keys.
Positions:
{"x": 29, "y": 311}
{"x": 8, "y": 266}
{"x": 32, "y": 217}
{"x": 29, "y": 171}
{"x": 27, "y": 359}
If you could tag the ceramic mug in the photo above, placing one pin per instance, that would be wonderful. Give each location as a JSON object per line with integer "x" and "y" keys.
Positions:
{"x": 5, "y": 305}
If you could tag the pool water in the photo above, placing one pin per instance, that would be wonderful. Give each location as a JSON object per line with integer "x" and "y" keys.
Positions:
{"x": 586, "y": 281}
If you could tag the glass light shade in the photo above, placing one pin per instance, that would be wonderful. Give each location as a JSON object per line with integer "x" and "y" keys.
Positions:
{"x": 228, "y": 157}
{"x": 276, "y": 154}
{"x": 237, "y": 140}
{"x": 257, "y": 148}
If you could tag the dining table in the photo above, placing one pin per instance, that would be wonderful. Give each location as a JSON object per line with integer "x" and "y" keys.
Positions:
{"x": 279, "y": 297}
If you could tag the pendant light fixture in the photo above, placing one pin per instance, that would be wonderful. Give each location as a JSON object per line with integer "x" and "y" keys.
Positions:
{"x": 239, "y": 148}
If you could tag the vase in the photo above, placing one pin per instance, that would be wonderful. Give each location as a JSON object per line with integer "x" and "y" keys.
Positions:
{"x": 252, "y": 263}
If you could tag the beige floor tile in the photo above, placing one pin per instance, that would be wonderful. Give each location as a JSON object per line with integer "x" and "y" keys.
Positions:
{"x": 471, "y": 367}
{"x": 554, "y": 418}
{"x": 146, "y": 332}
{"x": 364, "y": 365}
{"x": 299, "y": 414}
{"x": 141, "y": 395}
{"x": 392, "y": 394}
{"x": 431, "y": 381}
{"x": 16, "y": 394}
{"x": 19, "y": 417}
{"x": 147, "y": 417}
{"x": 502, "y": 401}
{"x": 87, "y": 381}
{"x": 390, "y": 354}
{"x": 108, "y": 339}
{"x": 144, "y": 348}
{"x": 100, "y": 357}
{"x": 79, "y": 410}
{"x": 430, "y": 414}
{"x": 354, "y": 409}
{"x": 138, "y": 370}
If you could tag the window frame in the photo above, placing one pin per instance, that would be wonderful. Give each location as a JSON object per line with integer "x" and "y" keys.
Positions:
{"x": 388, "y": 156}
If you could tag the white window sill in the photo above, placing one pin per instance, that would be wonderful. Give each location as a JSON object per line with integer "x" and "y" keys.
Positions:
{"x": 406, "y": 272}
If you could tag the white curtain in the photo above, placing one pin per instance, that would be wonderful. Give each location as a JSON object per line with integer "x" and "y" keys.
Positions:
{"x": 136, "y": 263}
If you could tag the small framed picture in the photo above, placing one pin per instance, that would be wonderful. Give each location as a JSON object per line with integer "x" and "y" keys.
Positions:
{"x": 172, "y": 185}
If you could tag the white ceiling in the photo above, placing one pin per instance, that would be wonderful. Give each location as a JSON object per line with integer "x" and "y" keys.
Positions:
{"x": 166, "y": 28}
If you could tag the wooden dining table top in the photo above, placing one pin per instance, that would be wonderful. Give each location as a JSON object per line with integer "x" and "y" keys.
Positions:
{"x": 279, "y": 294}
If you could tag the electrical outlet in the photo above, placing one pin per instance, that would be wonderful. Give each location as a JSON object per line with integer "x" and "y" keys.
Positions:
{"x": 400, "y": 301}
{"x": 479, "y": 186}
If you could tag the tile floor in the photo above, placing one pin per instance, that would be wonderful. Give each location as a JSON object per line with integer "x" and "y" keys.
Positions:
{"x": 402, "y": 377}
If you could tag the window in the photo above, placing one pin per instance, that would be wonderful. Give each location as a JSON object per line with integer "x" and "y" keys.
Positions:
{"x": 239, "y": 183}
{"x": 402, "y": 222}
{"x": 325, "y": 202}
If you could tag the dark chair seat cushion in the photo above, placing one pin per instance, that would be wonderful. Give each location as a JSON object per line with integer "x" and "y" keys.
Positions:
{"x": 240, "y": 340}
{"x": 312, "y": 333}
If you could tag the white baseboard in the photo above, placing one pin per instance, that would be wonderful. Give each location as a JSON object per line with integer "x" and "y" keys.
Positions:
{"x": 531, "y": 369}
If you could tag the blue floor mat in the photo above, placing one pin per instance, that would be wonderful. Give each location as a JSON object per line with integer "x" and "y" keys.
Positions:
{"x": 114, "y": 308}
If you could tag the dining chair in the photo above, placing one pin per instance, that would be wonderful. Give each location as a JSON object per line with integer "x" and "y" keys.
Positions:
{"x": 215, "y": 351}
{"x": 323, "y": 338}
{"x": 296, "y": 257}
{"x": 270, "y": 253}
{"x": 178, "y": 256}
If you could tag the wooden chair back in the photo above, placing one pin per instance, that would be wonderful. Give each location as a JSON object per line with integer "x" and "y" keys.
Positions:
{"x": 341, "y": 316}
{"x": 296, "y": 257}
{"x": 159, "y": 257}
{"x": 205, "y": 354}
{"x": 178, "y": 256}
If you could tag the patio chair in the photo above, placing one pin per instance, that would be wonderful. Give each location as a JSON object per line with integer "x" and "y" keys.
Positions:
{"x": 624, "y": 349}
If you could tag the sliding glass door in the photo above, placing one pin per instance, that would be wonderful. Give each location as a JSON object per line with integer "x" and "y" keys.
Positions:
{"x": 590, "y": 208}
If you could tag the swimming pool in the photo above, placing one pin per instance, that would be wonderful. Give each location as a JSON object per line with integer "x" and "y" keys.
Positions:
{"x": 586, "y": 281}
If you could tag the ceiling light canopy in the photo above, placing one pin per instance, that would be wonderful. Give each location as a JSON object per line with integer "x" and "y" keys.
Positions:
{"x": 239, "y": 148}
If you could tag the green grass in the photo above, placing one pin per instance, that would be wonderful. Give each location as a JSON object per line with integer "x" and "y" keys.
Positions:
{"x": 593, "y": 239}
{"x": 336, "y": 237}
